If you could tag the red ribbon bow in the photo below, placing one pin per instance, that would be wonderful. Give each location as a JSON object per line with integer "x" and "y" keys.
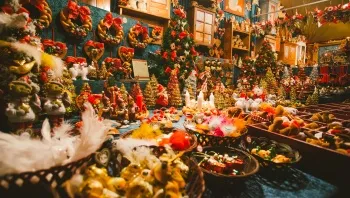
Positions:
{"x": 97, "y": 45}
{"x": 75, "y": 11}
{"x": 110, "y": 21}
{"x": 72, "y": 59}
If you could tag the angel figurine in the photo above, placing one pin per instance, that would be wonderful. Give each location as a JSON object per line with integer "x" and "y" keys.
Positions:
{"x": 56, "y": 103}
{"x": 25, "y": 103}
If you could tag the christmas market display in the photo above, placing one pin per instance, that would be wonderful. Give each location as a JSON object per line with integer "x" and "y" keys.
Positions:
{"x": 180, "y": 99}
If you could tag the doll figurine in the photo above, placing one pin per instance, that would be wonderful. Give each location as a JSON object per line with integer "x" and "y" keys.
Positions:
{"x": 121, "y": 113}
{"x": 56, "y": 102}
{"x": 162, "y": 96}
{"x": 106, "y": 109}
{"x": 23, "y": 106}
{"x": 132, "y": 110}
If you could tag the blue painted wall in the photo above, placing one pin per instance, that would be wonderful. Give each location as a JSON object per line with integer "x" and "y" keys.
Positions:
{"x": 96, "y": 14}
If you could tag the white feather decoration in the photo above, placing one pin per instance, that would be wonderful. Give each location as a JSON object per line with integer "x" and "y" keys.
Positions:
{"x": 24, "y": 154}
{"x": 16, "y": 21}
{"x": 29, "y": 50}
{"x": 58, "y": 66}
{"x": 92, "y": 134}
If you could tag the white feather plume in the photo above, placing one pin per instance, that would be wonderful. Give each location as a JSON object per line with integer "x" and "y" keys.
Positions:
{"x": 29, "y": 50}
{"x": 92, "y": 134}
{"x": 16, "y": 21}
{"x": 58, "y": 66}
{"x": 24, "y": 154}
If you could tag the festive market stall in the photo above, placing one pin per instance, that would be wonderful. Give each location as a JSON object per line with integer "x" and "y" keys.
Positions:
{"x": 168, "y": 98}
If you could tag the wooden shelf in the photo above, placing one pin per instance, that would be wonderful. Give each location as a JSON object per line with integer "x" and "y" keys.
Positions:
{"x": 229, "y": 48}
{"x": 237, "y": 48}
{"x": 123, "y": 10}
{"x": 242, "y": 32}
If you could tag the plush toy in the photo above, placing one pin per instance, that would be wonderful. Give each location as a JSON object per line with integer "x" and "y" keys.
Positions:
{"x": 276, "y": 125}
{"x": 258, "y": 93}
{"x": 324, "y": 117}
{"x": 162, "y": 96}
{"x": 81, "y": 70}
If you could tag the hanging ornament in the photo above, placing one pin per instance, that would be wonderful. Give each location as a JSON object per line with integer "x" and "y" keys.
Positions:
{"x": 187, "y": 45}
{"x": 187, "y": 52}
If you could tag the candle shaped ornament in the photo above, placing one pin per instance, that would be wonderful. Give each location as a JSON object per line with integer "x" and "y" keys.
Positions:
{"x": 187, "y": 99}
{"x": 212, "y": 100}
{"x": 139, "y": 101}
{"x": 200, "y": 100}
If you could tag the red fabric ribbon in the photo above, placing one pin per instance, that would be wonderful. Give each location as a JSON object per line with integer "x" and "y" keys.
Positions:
{"x": 80, "y": 60}
{"x": 38, "y": 4}
{"x": 110, "y": 21}
{"x": 97, "y": 45}
{"x": 9, "y": 10}
{"x": 75, "y": 11}
{"x": 48, "y": 42}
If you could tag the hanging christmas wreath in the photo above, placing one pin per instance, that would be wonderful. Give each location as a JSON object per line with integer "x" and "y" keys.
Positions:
{"x": 110, "y": 30}
{"x": 58, "y": 49}
{"x": 138, "y": 36}
{"x": 156, "y": 33}
{"x": 76, "y": 20}
{"x": 45, "y": 17}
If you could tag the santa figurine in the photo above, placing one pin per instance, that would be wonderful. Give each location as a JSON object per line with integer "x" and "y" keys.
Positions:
{"x": 162, "y": 96}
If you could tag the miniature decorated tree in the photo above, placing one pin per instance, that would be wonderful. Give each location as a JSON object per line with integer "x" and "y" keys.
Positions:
{"x": 191, "y": 85}
{"x": 293, "y": 95}
{"x": 175, "y": 99}
{"x": 178, "y": 50}
{"x": 271, "y": 82}
{"x": 266, "y": 58}
{"x": 248, "y": 72}
{"x": 281, "y": 93}
{"x": 154, "y": 84}
{"x": 150, "y": 98}
{"x": 124, "y": 92}
{"x": 315, "y": 97}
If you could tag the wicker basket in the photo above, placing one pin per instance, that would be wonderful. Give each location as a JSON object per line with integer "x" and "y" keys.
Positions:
{"x": 195, "y": 184}
{"x": 251, "y": 165}
{"x": 212, "y": 140}
{"x": 252, "y": 142}
{"x": 193, "y": 140}
{"x": 42, "y": 183}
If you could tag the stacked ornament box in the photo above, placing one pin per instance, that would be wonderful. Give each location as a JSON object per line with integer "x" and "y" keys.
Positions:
{"x": 323, "y": 140}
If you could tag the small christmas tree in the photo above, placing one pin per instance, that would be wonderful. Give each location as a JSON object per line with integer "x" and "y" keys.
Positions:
{"x": 103, "y": 73}
{"x": 314, "y": 74}
{"x": 175, "y": 99}
{"x": 293, "y": 95}
{"x": 271, "y": 82}
{"x": 150, "y": 98}
{"x": 154, "y": 84}
{"x": 248, "y": 72}
{"x": 219, "y": 100}
{"x": 263, "y": 84}
{"x": 315, "y": 97}
{"x": 124, "y": 92}
{"x": 191, "y": 86}
{"x": 281, "y": 93}
{"x": 308, "y": 101}
{"x": 266, "y": 58}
